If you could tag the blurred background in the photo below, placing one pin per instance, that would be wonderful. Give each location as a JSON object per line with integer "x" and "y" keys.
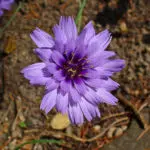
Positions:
{"x": 22, "y": 122}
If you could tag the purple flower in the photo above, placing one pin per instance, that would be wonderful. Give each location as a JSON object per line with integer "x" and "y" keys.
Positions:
{"x": 5, "y": 4}
{"x": 75, "y": 70}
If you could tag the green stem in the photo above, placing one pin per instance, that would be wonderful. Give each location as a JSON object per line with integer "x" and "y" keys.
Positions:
{"x": 38, "y": 141}
{"x": 11, "y": 19}
{"x": 79, "y": 15}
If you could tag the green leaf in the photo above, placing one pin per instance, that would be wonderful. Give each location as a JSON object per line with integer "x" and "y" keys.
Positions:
{"x": 22, "y": 124}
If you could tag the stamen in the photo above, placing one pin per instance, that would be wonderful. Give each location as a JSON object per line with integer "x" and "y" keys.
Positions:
{"x": 74, "y": 67}
{"x": 72, "y": 54}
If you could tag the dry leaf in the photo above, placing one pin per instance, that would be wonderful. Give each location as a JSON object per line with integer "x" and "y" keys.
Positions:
{"x": 123, "y": 27}
{"x": 10, "y": 45}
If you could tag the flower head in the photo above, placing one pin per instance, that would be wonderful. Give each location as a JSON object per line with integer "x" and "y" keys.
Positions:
{"x": 5, "y": 4}
{"x": 75, "y": 70}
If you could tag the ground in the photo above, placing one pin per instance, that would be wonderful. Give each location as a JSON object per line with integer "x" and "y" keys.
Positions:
{"x": 23, "y": 121}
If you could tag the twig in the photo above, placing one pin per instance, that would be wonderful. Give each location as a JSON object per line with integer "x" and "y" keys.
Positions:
{"x": 123, "y": 123}
{"x": 143, "y": 106}
{"x": 114, "y": 115}
{"x": 61, "y": 135}
{"x": 135, "y": 111}
{"x": 6, "y": 113}
{"x": 19, "y": 113}
{"x": 142, "y": 134}
{"x": 105, "y": 130}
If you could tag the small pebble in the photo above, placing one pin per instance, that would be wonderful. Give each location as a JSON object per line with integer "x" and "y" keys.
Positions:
{"x": 123, "y": 27}
{"x": 37, "y": 146}
{"x": 17, "y": 133}
{"x": 12, "y": 144}
{"x": 145, "y": 91}
{"x": 60, "y": 122}
{"x": 137, "y": 92}
{"x": 6, "y": 119}
{"x": 97, "y": 128}
{"x": 124, "y": 128}
{"x": 118, "y": 132}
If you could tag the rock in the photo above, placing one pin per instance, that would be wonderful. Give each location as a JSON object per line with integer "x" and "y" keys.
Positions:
{"x": 60, "y": 122}
{"x": 123, "y": 27}
{"x": 12, "y": 144}
{"x": 17, "y": 133}
{"x": 145, "y": 91}
{"x": 118, "y": 132}
{"x": 6, "y": 119}
{"x": 97, "y": 128}
{"x": 137, "y": 92}
{"x": 38, "y": 147}
{"x": 124, "y": 128}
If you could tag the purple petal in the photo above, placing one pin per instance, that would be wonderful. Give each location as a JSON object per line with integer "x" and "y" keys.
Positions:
{"x": 6, "y": 4}
{"x": 90, "y": 111}
{"x": 90, "y": 73}
{"x": 35, "y": 73}
{"x": 75, "y": 114}
{"x": 91, "y": 96}
{"x": 51, "y": 85}
{"x": 75, "y": 96}
{"x": 108, "y": 84}
{"x": 1, "y": 12}
{"x": 52, "y": 68}
{"x": 85, "y": 110}
{"x": 60, "y": 38}
{"x": 106, "y": 97}
{"x": 33, "y": 66}
{"x": 59, "y": 75}
{"x": 87, "y": 33}
{"x": 69, "y": 47}
{"x": 90, "y": 32}
{"x": 41, "y": 38}
{"x": 114, "y": 65}
{"x": 58, "y": 58}
{"x": 80, "y": 86}
{"x": 65, "y": 85}
{"x": 99, "y": 42}
{"x": 43, "y": 53}
{"x": 101, "y": 58}
{"x": 103, "y": 73}
{"x": 93, "y": 82}
{"x": 62, "y": 103}
{"x": 68, "y": 26}
{"x": 49, "y": 101}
